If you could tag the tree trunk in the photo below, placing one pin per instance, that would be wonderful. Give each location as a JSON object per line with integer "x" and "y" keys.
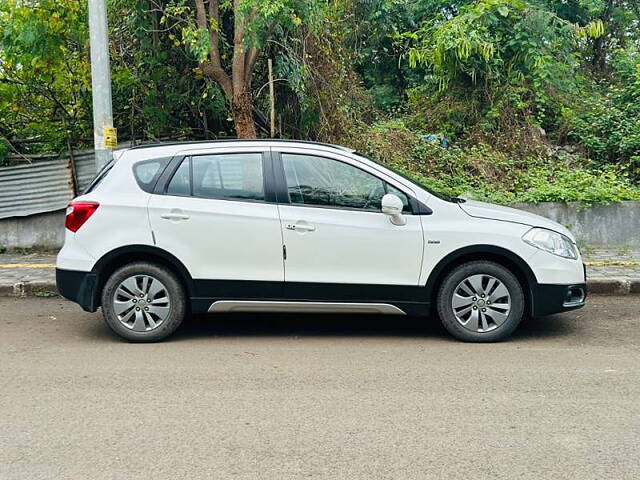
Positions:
{"x": 242, "y": 106}
{"x": 599, "y": 55}
{"x": 237, "y": 85}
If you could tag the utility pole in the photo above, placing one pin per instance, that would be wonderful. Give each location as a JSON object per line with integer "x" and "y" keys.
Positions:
{"x": 104, "y": 135}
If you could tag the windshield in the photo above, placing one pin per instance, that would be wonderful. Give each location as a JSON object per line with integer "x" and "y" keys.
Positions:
{"x": 442, "y": 196}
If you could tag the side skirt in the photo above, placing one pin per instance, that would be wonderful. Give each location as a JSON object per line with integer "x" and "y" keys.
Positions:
{"x": 256, "y": 296}
{"x": 303, "y": 307}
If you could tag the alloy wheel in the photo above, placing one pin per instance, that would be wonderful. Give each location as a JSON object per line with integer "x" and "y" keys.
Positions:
{"x": 481, "y": 303}
{"x": 141, "y": 303}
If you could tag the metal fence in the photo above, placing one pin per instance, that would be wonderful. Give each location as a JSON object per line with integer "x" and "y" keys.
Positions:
{"x": 46, "y": 184}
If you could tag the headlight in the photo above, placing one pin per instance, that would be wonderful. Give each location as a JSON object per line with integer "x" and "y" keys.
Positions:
{"x": 551, "y": 242}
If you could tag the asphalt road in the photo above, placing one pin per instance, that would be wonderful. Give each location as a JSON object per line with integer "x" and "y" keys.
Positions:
{"x": 273, "y": 397}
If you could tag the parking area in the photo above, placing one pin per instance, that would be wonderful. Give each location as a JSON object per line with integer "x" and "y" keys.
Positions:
{"x": 278, "y": 397}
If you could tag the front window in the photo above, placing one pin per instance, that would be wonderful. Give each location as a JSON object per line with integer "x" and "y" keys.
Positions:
{"x": 320, "y": 181}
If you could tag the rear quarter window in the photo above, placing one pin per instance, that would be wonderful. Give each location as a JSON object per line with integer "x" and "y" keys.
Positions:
{"x": 147, "y": 172}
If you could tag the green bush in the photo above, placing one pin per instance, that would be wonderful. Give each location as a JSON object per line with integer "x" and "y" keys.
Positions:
{"x": 4, "y": 151}
{"x": 480, "y": 172}
{"x": 607, "y": 122}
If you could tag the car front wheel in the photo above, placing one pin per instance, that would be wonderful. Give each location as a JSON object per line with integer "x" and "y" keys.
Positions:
{"x": 480, "y": 301}
{"x": 143, "y": 302}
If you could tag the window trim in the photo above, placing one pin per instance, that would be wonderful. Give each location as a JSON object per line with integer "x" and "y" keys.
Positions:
{"x": 282, "y": 192}
{"x": 101, "y": 175}
{"x": 267, "y": 176}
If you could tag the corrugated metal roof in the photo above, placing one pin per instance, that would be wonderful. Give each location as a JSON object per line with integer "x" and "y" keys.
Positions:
{"x": 44, "y": 185}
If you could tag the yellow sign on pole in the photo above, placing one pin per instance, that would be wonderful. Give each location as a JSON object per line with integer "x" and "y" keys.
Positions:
{"x": 110, "y": 137}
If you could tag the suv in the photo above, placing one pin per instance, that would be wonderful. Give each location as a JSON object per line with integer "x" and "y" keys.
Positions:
{"x": 292, "y": 226}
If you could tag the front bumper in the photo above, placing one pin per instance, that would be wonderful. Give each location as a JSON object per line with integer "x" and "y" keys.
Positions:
{"x": 551, "y": 298}
{"x": 78, "y": 287}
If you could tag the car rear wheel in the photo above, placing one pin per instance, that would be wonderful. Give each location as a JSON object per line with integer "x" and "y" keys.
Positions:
{"x": 143, "y": 302}
{"x": 480, "y": 301}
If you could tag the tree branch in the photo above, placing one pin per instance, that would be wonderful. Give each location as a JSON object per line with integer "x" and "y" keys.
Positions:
{"x": 250, "y": 63}
{"x": 214, "y": 67}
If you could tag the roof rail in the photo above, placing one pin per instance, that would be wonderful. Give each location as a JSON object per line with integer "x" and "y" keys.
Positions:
{"x": 227, "y": 140}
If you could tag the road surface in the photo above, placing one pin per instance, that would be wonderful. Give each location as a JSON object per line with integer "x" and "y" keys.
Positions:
{"x": 280, "y": 397}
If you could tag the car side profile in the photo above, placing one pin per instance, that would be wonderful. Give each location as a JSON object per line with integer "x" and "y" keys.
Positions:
{"x": 291, "y": 226}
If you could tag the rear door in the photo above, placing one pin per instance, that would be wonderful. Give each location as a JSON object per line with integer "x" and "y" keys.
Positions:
{"x": 217, "y": 215}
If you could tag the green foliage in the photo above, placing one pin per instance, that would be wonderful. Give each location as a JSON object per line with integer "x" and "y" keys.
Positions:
{"x": 511, "y": 84}
{"x": 44, "y": 293}
{"x": 330, "y": 98}
{"x": 44, "y": 75}
{"x": 498, "y": 70}
{"x": 370, "y": 38}
{"x": 607, "y": 123}
{"x": 157, "y": 90}
{"x": 4, "y": 150}
{"x": 553, "y": 183}
{"x": 496, "y": 42}
{"x": 263, "y": 17}
{"x": 480, "y": 172}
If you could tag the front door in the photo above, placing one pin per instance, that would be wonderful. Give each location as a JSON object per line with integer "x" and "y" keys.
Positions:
{"x": 335, "y": 233}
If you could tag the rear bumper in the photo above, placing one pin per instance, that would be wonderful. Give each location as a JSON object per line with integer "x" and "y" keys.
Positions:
{"x": 549, "y": 298}
{"x": 78, "y": 287}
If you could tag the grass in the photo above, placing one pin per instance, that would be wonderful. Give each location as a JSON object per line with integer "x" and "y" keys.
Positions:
{"x": 44, "y": 293}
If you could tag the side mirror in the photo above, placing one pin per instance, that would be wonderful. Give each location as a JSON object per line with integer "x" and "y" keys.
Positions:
{"x": 392, "y": 206}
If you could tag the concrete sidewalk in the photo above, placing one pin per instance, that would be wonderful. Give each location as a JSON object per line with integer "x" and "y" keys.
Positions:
{"x": 608, "y": 272}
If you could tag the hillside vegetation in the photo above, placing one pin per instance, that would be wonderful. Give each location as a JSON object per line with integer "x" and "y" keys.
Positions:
{"x": 503, "y": 100}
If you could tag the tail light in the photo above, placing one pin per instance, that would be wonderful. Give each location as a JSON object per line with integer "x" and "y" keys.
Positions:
{"x": 78, "y": 213}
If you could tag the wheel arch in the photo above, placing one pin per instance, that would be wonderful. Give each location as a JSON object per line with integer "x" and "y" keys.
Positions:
{"x": 114, "y": 259}
{"x": 491, "y": 253}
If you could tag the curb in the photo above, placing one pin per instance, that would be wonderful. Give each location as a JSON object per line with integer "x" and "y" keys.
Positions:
{"x": 614, "y": 286}
{"x": 596, "y": 286}
{"x": 29, "y": 289}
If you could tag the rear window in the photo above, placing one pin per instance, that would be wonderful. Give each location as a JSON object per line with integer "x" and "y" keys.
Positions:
{"x": 232, "y": 176}
{"x": 147, "y": 172}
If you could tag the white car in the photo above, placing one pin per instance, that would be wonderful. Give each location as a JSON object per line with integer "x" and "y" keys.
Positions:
{"x": 292, "y": 226}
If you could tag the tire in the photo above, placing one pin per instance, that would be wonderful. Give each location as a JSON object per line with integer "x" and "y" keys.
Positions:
{"x": 143, "y": 302}
{"x": 480, "y": 301}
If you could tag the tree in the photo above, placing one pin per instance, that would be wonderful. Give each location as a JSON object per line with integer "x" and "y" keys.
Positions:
{"x": 227, "y": 37}
{"x": 155, "y": 92}
{"x": 618, "y": 17}
{"x": 515, "y": 62}
{"x": 44, "y": 73}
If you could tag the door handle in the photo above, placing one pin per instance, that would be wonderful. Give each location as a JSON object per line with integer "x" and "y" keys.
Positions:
{"x": 174, "y": 216}
{"x": 300, "y": 227}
